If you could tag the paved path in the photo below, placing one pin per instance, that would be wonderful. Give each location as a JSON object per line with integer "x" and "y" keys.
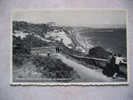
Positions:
{"x": 86, "y": 74}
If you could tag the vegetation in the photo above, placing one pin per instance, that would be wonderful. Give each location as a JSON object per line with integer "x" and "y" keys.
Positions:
{"x": 53, "y": 68}
{"x": 39, "y": 29}
{"x": 48, "y": 66}
{"x": 21, "y": 51}
{"x": 99, "y": 52}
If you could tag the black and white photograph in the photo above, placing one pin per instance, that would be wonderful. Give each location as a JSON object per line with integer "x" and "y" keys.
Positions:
{"x": 69, "y": 47}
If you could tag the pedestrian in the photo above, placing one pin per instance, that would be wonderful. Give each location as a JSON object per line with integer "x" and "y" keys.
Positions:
{"x": 48, "y": 54}
{"x": 117, "y": 65}
{"x": 111, "y": 69}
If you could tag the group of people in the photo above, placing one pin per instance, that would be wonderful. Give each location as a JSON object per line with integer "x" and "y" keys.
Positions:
{"x": 58, "y": 49}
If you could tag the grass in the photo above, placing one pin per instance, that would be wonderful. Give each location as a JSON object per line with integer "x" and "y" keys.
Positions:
{"x": 54, "y": 68}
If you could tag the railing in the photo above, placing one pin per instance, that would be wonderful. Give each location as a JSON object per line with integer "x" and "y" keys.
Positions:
{"x": 90, "y": 58}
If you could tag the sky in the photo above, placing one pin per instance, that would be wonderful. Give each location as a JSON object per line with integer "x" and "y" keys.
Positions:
{"x": 91, "y": 18}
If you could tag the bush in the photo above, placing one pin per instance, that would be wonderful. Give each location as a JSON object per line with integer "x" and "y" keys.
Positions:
{"x": 99, "y": 52}
{"x": 53, "y": 68}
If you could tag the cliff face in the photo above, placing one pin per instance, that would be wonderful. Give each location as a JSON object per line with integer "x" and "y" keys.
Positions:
{"x": 47, "y": 33}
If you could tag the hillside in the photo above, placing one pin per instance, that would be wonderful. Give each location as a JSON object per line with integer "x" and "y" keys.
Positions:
{"x": 48, "y": 40}
{"x": 47, "y": 33}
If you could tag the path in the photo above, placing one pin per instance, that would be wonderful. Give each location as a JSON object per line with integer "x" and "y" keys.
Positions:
{"x": 86, "y": 74}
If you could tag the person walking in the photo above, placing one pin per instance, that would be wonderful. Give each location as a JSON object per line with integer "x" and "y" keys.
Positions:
{"x": 117, "y": 65}
{"x": 111, "y": 69}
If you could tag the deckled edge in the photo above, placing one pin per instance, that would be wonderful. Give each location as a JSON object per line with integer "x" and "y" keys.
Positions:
{"x": 68, "y": 84}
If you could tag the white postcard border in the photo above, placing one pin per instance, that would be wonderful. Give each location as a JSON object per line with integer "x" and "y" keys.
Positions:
{"x": 63, "y": 83}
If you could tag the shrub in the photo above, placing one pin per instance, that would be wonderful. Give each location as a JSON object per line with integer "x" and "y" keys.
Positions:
{"x": 52, "y": 67}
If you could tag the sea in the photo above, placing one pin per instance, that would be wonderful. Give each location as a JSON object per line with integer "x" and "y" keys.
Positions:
{"x": 113, "y": 40}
